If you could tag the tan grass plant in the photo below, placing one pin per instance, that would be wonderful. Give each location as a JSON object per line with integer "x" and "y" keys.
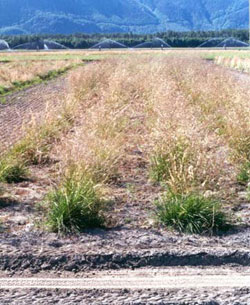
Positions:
{"x": 135, "y": 103}
{"x": 222, "y": 102}
{"x": 161, "y": 106}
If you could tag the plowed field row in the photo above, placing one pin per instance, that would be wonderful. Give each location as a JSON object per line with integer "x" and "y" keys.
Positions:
{"x": 21, "y": 107}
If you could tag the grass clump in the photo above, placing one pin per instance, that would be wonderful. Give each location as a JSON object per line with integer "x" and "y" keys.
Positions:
{"x": 74, "y": 206}
{"x": 12, "y": 170}
{"x": 34, "y": 148}
{"x": 244, "y": 174}
{"x": 193, "y": 214}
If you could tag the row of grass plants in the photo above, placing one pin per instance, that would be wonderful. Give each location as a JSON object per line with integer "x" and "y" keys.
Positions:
{"x": 115, "y": 108}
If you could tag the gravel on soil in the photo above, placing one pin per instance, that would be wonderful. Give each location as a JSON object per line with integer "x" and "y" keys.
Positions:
{"x": 128, "y": 297}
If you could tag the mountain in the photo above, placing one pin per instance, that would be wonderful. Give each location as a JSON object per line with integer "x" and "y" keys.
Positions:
{"x": 142, "y": 16}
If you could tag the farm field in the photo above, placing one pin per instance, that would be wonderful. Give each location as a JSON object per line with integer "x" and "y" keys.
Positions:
{"x": 142, "y": 155}
{"x": 26, "y": 66}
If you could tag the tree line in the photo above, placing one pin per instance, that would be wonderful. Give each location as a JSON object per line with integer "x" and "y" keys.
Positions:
{"x": 84, "y": 41}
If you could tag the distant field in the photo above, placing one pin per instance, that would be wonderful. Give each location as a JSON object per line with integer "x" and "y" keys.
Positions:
{"x": 66, "y": 55}
{"x": 46, "y": 56}
{"x": 228, "y": 54}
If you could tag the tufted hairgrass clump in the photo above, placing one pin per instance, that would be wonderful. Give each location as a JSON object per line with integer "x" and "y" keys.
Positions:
{"x": 193, "y": 214}
{"x": 74, "y": 206}
{"x": 12, "y": 170}
{"x": 34, "y": 148}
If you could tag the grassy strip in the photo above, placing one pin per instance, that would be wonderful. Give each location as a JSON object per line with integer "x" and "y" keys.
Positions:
{"x": 75, "y": 204}
{"x": 20, "y": 85}
{"x": 185, "y": 158}
{"x": 35, "y": 146}
{"x": 227, "y": 54}
{"x": 52, "y": 74}
{"x": 236, "y": 62}
{"x": 222, "y": 106}
{"x": 44, "y": 57}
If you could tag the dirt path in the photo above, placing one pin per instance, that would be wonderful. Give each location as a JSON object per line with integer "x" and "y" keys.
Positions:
{"x": 110, "y": 282}
{"x": 142, "y": 279}
{"x": 172, "y": 286}
{"x": 20, "y": 107}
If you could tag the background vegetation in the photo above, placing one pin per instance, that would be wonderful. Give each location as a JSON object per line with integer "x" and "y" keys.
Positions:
{"x": 175, "y": 39}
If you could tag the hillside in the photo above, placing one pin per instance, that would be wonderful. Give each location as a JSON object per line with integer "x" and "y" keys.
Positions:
{"x": 58, "y": 16}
